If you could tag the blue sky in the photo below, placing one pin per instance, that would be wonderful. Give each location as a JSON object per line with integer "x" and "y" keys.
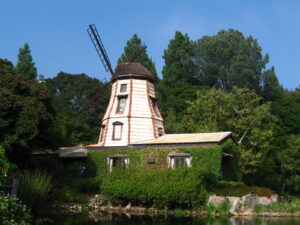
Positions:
{"x": 56, "y": 30}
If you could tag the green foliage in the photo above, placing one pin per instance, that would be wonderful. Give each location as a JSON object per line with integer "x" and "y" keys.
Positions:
{"x": 230, "y": 59}
{"x": 271, "y": 89}
{"x": 4, "y": 165}
{"x": 25, "y": 65}
{"x": 34, "y": 188}
{"x": 223, "y": 207}
{"x": 79, "y": 102}
{"x": 13, "y": 211}
{"x": 134, "y": 51}
{"x": 154, "y": 184}
{"x": 183, "y": 188}
{"x": 258, "y": 208}
{"x": 25, "y": 112}
{"x": 203, "y": 157}
{"x": 179, "y": 65}
{"x": 284, "y": 206}
{"x": 238, "y": 111}
{"x": 287, "y": 109}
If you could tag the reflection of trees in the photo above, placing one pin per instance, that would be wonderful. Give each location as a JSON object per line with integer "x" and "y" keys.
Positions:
{"x": 104, "y": 218}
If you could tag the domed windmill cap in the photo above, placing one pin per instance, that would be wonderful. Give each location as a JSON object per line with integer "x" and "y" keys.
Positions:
{"x": 131, "y": 70}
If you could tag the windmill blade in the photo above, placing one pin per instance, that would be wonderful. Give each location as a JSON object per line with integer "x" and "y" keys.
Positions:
{"x": 93, "y": 33}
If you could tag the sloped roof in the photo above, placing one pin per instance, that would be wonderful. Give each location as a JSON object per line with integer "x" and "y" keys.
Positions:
{"x": 133, "y": 69}
{"x": 216, "y": 137}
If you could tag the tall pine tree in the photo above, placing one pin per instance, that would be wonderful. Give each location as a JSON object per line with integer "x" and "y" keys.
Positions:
{"x": 25, "y": 65}
{"x": 133, "y": 51}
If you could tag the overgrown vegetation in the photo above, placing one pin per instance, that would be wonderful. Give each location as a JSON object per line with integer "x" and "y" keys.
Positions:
{"x": 35, "y": 188}
{"x": 223, "y": 208}
{"x": 13, "y": 211}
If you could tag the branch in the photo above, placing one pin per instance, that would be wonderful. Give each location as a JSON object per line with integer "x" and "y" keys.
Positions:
{"x": 242, "y": 138}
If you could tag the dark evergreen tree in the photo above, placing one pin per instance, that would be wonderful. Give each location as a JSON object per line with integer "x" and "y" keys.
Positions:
{"x": 179, "y": 63}
{"x": 25, "y": 65}
{"x": 271, "y": 89}
{"x": 133, "y": 51}
{"x": 178, "y": 84}
{"x": 25, "y": 112}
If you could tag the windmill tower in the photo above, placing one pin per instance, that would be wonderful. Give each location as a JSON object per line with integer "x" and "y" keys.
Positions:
{"x": 132, "y": 114}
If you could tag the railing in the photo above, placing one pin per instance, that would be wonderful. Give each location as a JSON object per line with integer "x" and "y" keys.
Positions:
{"x": 10, "y": 189}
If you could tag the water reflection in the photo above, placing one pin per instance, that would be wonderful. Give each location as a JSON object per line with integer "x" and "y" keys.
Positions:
{"x": 122, "y": 219}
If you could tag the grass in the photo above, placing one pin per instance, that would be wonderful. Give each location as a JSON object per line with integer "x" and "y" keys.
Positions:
{"x": 285, "y": 206}
{"x": 35, "y": 188}
{"x": 223, "y": 207}
{"x": 258, "y": 208}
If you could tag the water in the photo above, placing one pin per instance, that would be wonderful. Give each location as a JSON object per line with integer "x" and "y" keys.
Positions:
{"x": 122, "y": 219}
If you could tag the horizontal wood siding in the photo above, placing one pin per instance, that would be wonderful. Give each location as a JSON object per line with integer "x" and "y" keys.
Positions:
{"x": 142, "y": 124}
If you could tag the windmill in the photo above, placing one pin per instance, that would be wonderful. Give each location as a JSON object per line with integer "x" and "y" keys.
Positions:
{"x": 132, "y": 114}
{"x": 100, "y": 49}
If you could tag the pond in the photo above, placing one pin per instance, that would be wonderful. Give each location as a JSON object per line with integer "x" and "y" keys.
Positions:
{"x": 122, "y": 219}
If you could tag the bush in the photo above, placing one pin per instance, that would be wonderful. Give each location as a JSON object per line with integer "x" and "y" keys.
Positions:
{"x": 35, "y": 188}
{"x": 13, "y": 211}
{"x": 180, "y": 188}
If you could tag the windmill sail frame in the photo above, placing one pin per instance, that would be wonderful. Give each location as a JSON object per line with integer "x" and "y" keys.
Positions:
{"x": 93, "y": 33}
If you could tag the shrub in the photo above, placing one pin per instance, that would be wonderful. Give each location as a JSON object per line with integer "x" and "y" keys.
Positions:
{"x": 13, "y": 211}
{"x": 180, "y": 188}
{"x": 35, "y": 188}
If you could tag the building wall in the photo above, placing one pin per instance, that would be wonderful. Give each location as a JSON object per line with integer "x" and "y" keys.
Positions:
{"x": 140, "y": 120}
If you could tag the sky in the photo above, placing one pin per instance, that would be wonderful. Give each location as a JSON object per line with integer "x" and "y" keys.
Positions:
{"x": 56, "y": 30}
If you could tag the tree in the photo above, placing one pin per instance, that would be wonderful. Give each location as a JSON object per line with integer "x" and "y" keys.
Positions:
{"x": 287, "y": 109}
{"x": 178, "y": 83}
{"x": 238, "y": 111}
{"x": 79, "y": 102}
{"x": 25, "y": 65}
{"x": 134, "y": 51}
{"x": 25, "y": 107}
{"x": 271, "y": 89}
{"x": 179, "y": 65}
{"x": 230, "y": 59}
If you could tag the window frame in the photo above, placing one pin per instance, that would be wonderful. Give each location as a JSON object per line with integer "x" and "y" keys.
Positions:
{"x": 114, "y": 131}
{"x": 112, "y": 159}
{"x": 102, "y": 133}
{"x": 186, "y": 157}
{"x": 118, "y": 105}
{"x": 154, "y": 106}
{"x": 160, "y": 131}
{"x": 122, "y": 89}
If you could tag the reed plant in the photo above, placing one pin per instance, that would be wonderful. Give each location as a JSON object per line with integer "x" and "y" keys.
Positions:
{"x": 35, "y": 188}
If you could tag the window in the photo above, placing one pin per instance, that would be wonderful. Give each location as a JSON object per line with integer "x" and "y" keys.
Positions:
{"x": 160, "y": 131}
{"x": 117, "y": 131}
{"x": 102, "y": 133}
{"x": 117, "y": 161}
{"x": 123, "y": 88}
{"x": 177, "y": 160}
{"x": 121, "y": 104}
{"x": 154, "y": 106}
